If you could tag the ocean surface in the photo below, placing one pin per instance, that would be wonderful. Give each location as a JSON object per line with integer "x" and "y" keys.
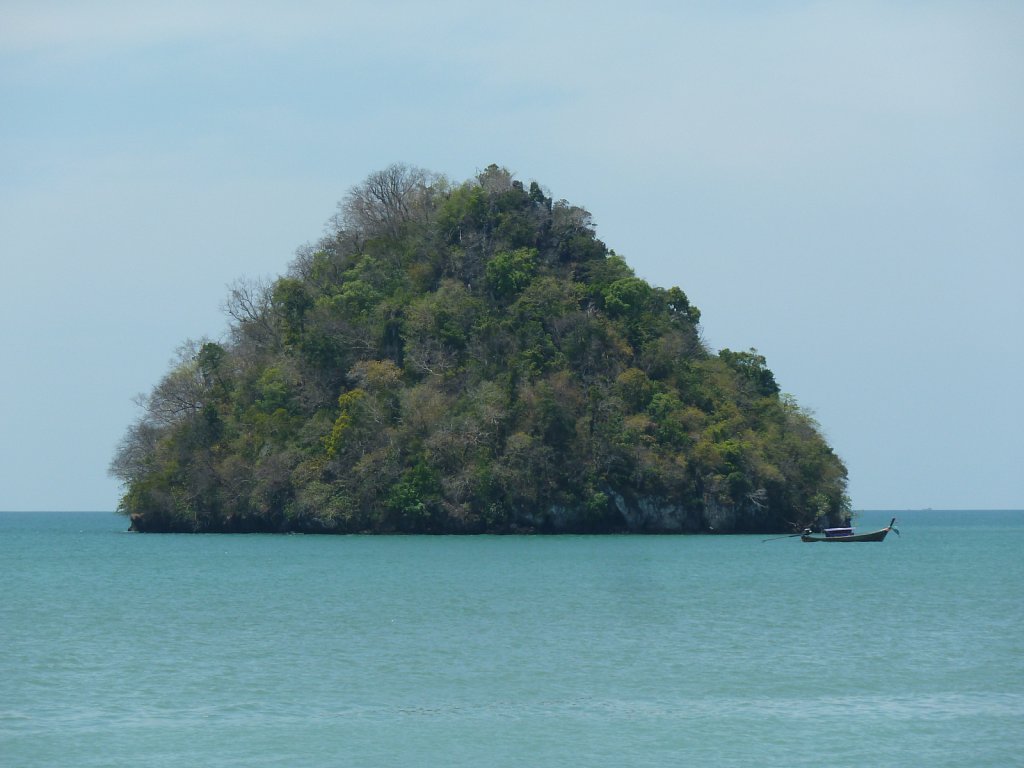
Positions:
{"x": 120, "y": 649}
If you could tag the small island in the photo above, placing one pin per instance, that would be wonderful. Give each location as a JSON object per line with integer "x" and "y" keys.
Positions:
{"x": 469, "y": 358}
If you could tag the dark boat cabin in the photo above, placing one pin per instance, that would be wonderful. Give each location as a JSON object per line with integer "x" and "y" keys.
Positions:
{"x": 835, "y": 533}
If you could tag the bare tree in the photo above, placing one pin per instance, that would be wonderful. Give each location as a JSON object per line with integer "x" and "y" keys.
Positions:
{"x": 135, "y": 451}
{"x": 181, "y": 393}
{"x": 389, "y": 199}
{"x": 494, "y": 180}
{"x": 249, "y": 306}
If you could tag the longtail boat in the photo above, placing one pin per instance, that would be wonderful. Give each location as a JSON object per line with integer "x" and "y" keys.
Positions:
{"x": 847, "y": 534}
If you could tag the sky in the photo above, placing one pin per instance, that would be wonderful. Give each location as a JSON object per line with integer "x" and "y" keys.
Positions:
{"x": 839, "y": 185}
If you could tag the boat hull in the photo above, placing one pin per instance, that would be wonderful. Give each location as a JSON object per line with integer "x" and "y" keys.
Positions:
{"x": 872, "y": 536}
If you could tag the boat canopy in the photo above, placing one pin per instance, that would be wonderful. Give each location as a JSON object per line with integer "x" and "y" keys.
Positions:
{"x": 832, "y": 533}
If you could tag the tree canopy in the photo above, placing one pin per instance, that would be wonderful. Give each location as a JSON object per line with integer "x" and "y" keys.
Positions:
{"x": 469, "y": 358}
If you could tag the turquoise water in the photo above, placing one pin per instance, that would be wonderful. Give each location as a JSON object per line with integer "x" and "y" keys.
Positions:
{"x": 120, "y": 649}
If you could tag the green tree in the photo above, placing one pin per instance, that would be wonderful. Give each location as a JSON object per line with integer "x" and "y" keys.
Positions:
{"x": 753, "y": 369}
{"x": 291, "y": 301}
{"x": 509, "y": 272}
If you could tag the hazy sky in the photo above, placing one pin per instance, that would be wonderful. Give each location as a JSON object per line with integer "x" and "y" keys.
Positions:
{"x": 838, "y": 184}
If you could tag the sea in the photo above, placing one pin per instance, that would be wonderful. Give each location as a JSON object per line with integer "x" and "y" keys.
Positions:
{"x": 123, "y": 649}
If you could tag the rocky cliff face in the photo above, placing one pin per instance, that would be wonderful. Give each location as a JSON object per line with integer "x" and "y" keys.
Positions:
{"x": 650, "y": 514}
{"x": 634, "y": 513}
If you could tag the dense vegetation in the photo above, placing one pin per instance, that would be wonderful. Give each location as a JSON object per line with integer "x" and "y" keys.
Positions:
{"x": 469, "y": 358}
